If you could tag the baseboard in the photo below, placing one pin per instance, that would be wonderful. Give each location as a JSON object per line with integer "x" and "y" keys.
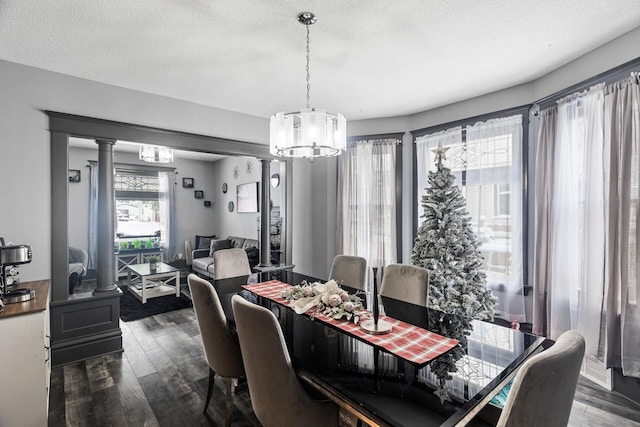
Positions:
{"x": 595, "y": 370}
{"x": 75, "y": 350}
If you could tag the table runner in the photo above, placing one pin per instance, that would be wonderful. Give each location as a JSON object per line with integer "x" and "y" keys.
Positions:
{"x": 406, "y": 341}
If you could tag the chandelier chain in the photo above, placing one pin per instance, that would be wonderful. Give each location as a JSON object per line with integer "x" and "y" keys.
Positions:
{"x": 308, "y": 73}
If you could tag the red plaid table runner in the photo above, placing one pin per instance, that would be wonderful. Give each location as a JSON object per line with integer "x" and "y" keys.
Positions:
{"x": 406, "y": 341}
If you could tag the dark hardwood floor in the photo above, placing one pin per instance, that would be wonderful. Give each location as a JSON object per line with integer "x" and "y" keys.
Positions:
{"x": 161, "y": 380}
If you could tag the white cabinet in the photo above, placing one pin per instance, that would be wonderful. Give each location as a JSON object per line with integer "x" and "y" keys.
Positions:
{"x": 25, "y": 363}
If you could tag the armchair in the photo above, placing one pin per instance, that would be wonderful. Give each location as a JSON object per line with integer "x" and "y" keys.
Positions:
{"x": 78, "y": 260}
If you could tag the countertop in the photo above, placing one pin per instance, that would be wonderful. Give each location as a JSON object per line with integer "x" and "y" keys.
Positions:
{"x": 39, "y": 303}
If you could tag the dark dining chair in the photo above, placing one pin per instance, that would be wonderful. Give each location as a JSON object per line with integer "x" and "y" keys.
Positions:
{"x": 407, "y": 283}
{"x": 349, "y": 270}
{"x": 277, "y": 397}
{"x": 220, "y": 343}
{"x": 543, "y": 389}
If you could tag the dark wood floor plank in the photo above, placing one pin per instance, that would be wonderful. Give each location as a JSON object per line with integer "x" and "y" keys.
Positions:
{"x": 592, "y": 395}
{"x": 56, "y": 398}
{"x": 136, "y": 355}
{"x": 134, "y": 402}
{"x": 108, "y": 407}
{"x": 145, "y": 339}
{"x": 79, "y": 410}
{"x": 98, "y": 374}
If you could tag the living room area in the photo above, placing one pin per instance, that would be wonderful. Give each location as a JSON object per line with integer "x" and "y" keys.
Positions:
{"x": 208, "y": 202}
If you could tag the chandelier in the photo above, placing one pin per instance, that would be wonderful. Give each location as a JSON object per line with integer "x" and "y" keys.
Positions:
{"x": 153, "y": 154}
{"x": 310, "y": 132}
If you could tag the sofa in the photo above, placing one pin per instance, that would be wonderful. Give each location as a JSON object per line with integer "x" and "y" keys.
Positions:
{"x": 202, "y": 259}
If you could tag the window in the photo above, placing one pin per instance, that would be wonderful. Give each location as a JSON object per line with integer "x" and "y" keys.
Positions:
{"x": 368, "y": 201}
{"x": 137, "y": 203}
{"x": 486, "y": 158}
{"x": 504, "y": 200}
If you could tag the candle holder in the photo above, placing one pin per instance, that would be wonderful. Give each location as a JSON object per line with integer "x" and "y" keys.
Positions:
{"x": 376, "y": 326}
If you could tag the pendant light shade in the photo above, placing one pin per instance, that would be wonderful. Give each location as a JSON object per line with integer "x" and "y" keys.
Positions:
{"x": 152, "y": 154}
{"x": 310, "y": 132}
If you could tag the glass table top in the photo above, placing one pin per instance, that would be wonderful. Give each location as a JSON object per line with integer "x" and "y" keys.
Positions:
{"x": 440, "y": 392}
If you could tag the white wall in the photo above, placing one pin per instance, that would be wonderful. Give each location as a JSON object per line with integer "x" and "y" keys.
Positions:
{"x": 234, "y": 223}
{"x": 314, "y": 215}
{"x": 25, "y": 214}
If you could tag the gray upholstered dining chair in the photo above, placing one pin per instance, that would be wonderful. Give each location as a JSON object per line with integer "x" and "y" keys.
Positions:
{"x": 407, "y": 283}
{"x": 221, "y": 347}
{"x": 230, "y": 263}
{"x": 349, "y": 270}
{"x": 543, "y": 389}
{"x": 277, "y": 397}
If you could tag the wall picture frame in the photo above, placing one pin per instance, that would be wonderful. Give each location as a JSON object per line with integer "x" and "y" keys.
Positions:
{"x": 207, "y": 203}
{"x": 187, "y": 182}
{"x": 74, "y": 175}
{"x": 198, "y": 194}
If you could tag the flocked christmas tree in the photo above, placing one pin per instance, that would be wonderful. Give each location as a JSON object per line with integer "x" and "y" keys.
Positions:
{"x": 448, "y": 248}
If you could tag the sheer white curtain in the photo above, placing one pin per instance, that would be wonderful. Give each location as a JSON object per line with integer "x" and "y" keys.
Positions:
{"x": 367, "y": 201}
{"x": 494, "y": 175}
{"x": 622, "y": 135}
{"x": 576, "y": 251}
{"x": 93, "y": 215}
{"x": 166, "y": 199}
{"x": 367, "y": 222}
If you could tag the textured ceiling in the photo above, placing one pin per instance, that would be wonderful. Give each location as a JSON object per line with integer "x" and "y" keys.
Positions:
{"x": 369, "y": 58}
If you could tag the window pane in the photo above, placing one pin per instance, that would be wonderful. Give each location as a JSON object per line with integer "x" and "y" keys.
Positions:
{"x": 137, "y": 217}
{"x": 125, "y": 181}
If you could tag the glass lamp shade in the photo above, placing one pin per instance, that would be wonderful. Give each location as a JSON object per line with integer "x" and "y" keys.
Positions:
{"x": 152, "y": 154}
{"x": 308, "y": 133}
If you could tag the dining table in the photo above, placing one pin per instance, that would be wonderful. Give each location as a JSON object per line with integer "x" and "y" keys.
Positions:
{"x": 432, "y": 369}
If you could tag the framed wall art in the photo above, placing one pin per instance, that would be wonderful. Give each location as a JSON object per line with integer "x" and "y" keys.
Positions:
{"x": 74, "y": 175}
{"x": 187, "y": 182}
{"x": 198, "y": 194}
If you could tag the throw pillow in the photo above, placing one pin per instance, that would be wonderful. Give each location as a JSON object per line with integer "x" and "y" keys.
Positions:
{"x": 218, "y": 244}
{"x": 203, "y": 242}
{"x": 253, "y": 255}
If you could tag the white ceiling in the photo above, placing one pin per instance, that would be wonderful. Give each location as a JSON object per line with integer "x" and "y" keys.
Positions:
{"x": 369, "y": 58}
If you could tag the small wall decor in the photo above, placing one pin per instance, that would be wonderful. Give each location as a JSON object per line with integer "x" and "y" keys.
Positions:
{"x": 198, "y": 194}
{"x": 187, "y": 182}
{"x": 207, "y": 203}
{"x": 74, "y": 175}
{"x": 249, "y": 166}
{"x": 236, "y": 172}
{"x": 275, "y": 180}
{"x": 224, "y": 188}
{"x": 231, "y": 206}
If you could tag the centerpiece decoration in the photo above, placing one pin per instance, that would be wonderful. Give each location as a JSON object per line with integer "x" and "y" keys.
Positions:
{"x": 326, "y": 298}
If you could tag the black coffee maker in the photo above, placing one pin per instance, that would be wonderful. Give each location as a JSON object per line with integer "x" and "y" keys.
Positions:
{"x": 11, "y": 255}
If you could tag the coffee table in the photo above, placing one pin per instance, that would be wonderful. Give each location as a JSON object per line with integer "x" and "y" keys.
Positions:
{"x": 145, "y": 283}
